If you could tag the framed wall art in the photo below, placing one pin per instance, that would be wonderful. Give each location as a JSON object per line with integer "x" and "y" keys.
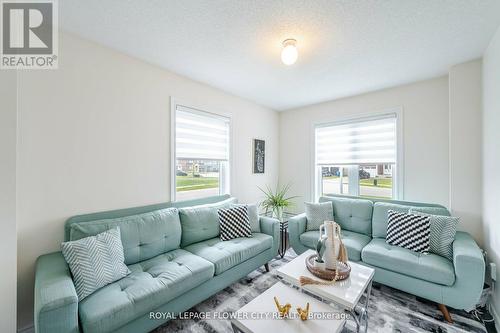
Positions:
{"x": 259, "y": 156}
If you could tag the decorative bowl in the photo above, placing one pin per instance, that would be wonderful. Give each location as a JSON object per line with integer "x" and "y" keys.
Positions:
{"x": 328, "y": 274}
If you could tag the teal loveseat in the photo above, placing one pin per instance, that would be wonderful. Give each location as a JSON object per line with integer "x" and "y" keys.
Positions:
{"x": 176, "y": 258}
{"x": 456, "y": 283}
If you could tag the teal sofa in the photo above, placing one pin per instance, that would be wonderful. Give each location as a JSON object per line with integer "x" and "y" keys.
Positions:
{"x": 176, "y": 258}
{"x": 456, "y": 283}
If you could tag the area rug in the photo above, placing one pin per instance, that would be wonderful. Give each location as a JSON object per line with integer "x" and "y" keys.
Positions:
{"x": 390, "y": 310}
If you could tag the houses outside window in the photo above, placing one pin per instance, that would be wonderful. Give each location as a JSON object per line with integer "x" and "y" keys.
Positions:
{"x": 201, "y": 153}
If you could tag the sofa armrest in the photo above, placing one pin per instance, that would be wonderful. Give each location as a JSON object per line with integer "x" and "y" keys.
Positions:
{"x": 296, "y": 227}
{"x": 466, "y": 253}
{"x": 469, "y": 267}
{"x": 56, "y": 301}
{"x": 271, "y": 227}
{"x": 468, "y": 259}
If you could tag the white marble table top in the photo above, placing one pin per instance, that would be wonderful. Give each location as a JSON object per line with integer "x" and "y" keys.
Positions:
{"x": 345, "y": 293}
{"x": 261, "y": 316}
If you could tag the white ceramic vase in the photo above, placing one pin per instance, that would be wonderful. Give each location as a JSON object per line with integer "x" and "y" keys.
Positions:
{"x": 329, "y": 231}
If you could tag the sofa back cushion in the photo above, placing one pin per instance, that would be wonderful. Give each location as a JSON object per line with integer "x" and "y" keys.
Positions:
{"x": 200, "y": 223}
{"x": 352, "y": 214}
{"x": 143, "y": 236}
{"x": 380, "y": 210}
{"x": 380, "y": 217}
{"x": 431, "y": 210}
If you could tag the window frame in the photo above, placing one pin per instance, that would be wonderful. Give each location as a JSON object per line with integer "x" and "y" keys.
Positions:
{"x": 226, "y": 177}
{"x": 398, "y": 177}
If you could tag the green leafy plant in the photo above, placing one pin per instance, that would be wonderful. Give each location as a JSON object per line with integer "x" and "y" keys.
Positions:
{"x": 276, "y": 201}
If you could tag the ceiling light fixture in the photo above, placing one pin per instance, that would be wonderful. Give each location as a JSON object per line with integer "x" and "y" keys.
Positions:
{"x": 289, "y": 53}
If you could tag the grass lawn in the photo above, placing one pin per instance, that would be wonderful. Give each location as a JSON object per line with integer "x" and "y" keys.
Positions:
{"x": 373, "y": 197}
{"x": 189, "y": 183}
{"x": 381, "y": 182}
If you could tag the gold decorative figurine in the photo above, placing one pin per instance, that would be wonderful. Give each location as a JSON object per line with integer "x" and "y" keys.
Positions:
{"x": 282, "y": 309}
{"x": 303, "y": 313}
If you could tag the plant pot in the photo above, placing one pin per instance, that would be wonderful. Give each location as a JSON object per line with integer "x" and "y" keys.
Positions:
{"x": 278, "y": 213}
{"x": 319, "y": 265}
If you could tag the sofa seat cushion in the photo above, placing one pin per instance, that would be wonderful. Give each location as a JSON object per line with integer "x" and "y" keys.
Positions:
{"x": 227, "y": 254}
{"x": 152, "y": 283}
{"x": 353, "y": 241}
{"x": 429, "y": 267}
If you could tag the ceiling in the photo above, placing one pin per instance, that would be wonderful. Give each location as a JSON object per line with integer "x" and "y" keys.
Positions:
{"x": 345, "y": 47}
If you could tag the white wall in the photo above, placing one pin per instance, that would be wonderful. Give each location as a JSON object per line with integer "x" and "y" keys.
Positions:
{"x": 425, "y": 128}
{"x": 491, "y": 158}
{"x": 8, "y": 96}
{"x": 94, "y": 135}
{"x": 465, "y": 123}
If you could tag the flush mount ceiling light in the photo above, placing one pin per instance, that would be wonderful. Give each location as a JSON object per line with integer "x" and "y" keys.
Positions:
{"x": 289, "y": 53}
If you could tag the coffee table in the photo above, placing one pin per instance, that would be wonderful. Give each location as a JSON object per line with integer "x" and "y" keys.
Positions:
{"x": 261, "y": 316}
{"x": 346, "y": 293}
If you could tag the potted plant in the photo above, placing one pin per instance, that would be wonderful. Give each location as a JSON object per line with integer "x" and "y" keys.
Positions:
{"x": 276, "y": 201}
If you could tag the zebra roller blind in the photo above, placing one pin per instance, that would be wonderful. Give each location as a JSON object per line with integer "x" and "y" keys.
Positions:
{"x": 201, "y": 135}
{"x": 357, "y": 142}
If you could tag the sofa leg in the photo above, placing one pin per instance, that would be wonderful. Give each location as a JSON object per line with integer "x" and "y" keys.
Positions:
{"x": 266, "y": 266}
{"x": 445, "y": 312}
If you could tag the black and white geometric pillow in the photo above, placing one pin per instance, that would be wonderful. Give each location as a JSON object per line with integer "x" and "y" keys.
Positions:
{"x": 234, "y": 222}
{"x": 409, "y": 231}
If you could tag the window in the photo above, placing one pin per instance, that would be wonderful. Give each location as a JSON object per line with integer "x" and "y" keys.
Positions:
{"x": 201, "y": 154}
{"x": 357, "y": 158}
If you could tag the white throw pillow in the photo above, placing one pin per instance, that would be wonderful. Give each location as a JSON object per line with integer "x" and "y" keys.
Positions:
{"x": 317, "y": 214}
{"x": 253, "y": 215}
{"x": 95, "y": 261}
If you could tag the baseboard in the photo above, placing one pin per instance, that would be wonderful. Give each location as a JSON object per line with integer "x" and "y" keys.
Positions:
{"x": 26, "y": 329}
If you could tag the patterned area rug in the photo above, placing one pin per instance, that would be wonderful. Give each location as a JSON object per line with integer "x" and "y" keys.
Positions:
{"x": 390, "y": 310}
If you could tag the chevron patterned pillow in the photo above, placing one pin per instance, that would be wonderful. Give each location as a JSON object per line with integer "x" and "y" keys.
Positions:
{"x": 409, "y": 231}
{"x": 234, "y": 223}
{"x": 443, "y": 231}
{"x": 95, "y": 261}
